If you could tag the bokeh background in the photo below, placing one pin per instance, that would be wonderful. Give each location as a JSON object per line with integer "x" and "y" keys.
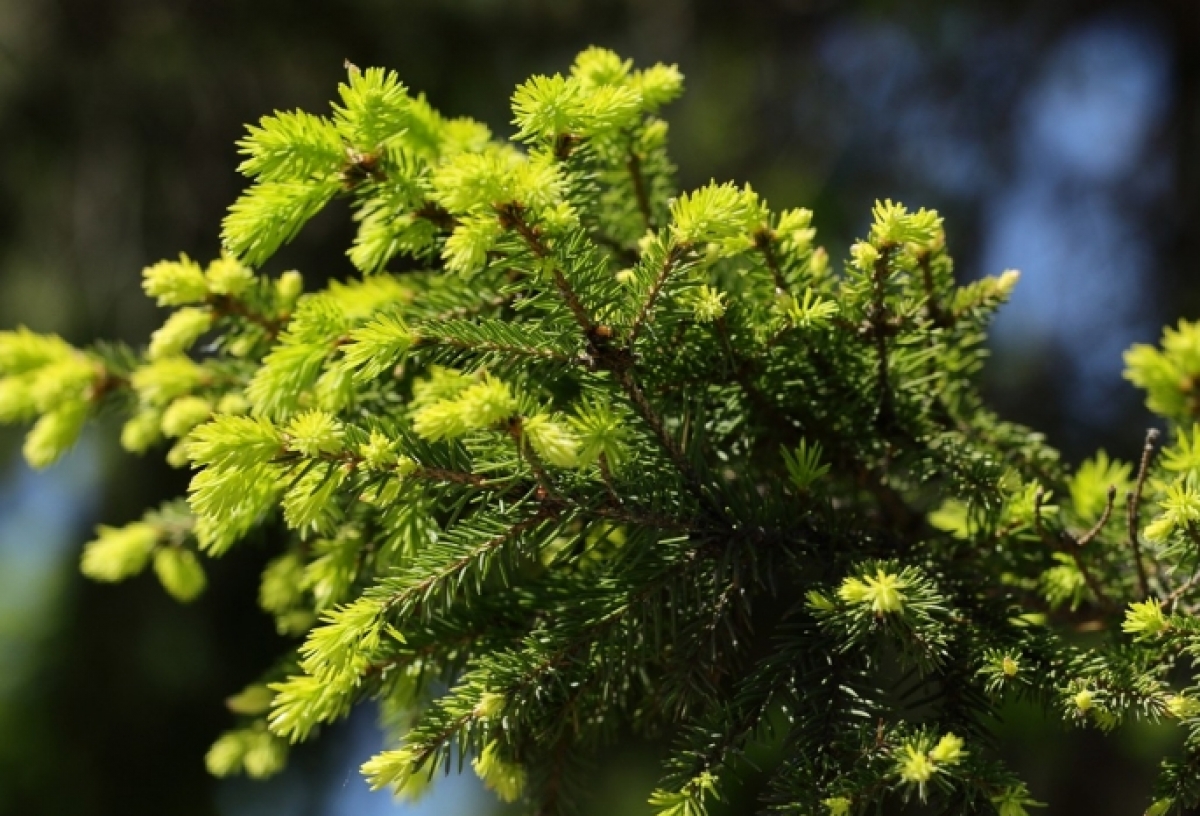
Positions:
{"x": 1061, "y": 138}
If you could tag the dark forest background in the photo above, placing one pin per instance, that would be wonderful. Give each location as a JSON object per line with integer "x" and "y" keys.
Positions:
{"x": 1060, "y": 138}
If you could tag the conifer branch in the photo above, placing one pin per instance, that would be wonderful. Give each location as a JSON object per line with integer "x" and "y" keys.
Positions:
{"x": 670, "y": 262}
{"x": 229, "y": 306}
{"x": 411, "y": 597}
{"x": 615, "y": 570}
{"x": 512, "y": 216}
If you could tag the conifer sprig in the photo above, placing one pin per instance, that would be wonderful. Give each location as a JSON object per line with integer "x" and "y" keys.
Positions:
{"x": 579, "y": 454}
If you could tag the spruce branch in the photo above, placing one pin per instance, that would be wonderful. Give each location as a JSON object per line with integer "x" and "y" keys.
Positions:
{"x": 542, "y": 469}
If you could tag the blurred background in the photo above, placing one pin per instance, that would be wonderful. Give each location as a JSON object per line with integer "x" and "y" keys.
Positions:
{"x": 1060, "y": 138}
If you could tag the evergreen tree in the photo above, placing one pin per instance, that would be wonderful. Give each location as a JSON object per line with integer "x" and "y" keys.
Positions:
{"x": 577, "y": 454}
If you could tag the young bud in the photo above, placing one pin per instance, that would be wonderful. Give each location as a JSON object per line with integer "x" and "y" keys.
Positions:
{"x": 175, "y": 283}
{"x": 506, "y": 779}
{"x": 551, "y": 440}
{"x": 16, "y": 400}
{"x": 915, "y": 766}
{"x": 379, "y": 452}
{"x": 180, "y": 573}
{"x": 391, "y": 769}
{"x": 1144, "y": 620}
{"x": 160, "y": 381}
{"x": 252, "y": 700}
{"x": 490, "y": 705}
{"x": 119, "y": 552}
{"x": 288, "y": 289}
{"x": 184, "y": 414}
{"x": 1160, "y": 807}
{"x": 837, "y": 806}
{"x": 882, "y": 592}
{"x": 233, "y": 403}
{"x": 1182, "y": 707}
{"x": 864, "y": 256}
{"x": 226, "y": 276}
{"x": 179, "y": 332}
{"x": 142, "y": 430}
{"x": 313, "y": 433}
{"x": 948, "y": 751}
{"x": 265, "y": 754}
{"x": 707, "y": 304}
{"x": 225, "y": 756}
{"x": 54, "y": 434}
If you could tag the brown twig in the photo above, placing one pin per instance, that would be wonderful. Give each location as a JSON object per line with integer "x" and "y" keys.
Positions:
{"x": 606, "y": 475}
{"x": 634, "y": 165}
{"x": 764, "y": 241}
{"x": 1057, "y": 541}
{"x": 1132, "y": 501}
{"x": 673, "y": 257}
{"x": 1087, "y": 537}
{"x": 878, "y": 318}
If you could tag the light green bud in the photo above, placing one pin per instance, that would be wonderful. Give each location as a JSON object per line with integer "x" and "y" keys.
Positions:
{"x": 63, "y": 380}
{"x": 1182, "y": 707}
{"x": 119, "y": 552}
{"x": 490, "y": 705}
{"x": 233, "y": 403}
{"x": 253, "y": 699}
{"x": 16, "y": 400}
{"x": 180, "y": 331}
{"x": 1160, "y": 807}
{"x": 177, "y": 456}
{"x": 54, "y": 434}
{"x": 1145, "y": 619}
{"x": 505, "y": 779}
{"x": 142, "y": 430}
{"x": 707, "y": 304}
{"x": 180, "y": 573}
{"x": 915, "y": 766}
{"x": 837, "y": 806}
{"x": 160, "y": 381}
{"x": 226, "y": 276}
{"x": 883, "y": 592}
{"x": 288, "y": 289}
{"x": 184, "y": 414}
{"x": 22, "y": 351}
{"x": 818, "y": 263}
{"x": 864, "y": 256}
{"x": 948, "y": 751}
{"x": 551, "y": 440}
{"x": 378, "y": 452}
{"x": 265, "y": 754}
{"x": 225, "y": 756}
{"x": 175, "y": 283}
{"x": 487, "y": 403}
